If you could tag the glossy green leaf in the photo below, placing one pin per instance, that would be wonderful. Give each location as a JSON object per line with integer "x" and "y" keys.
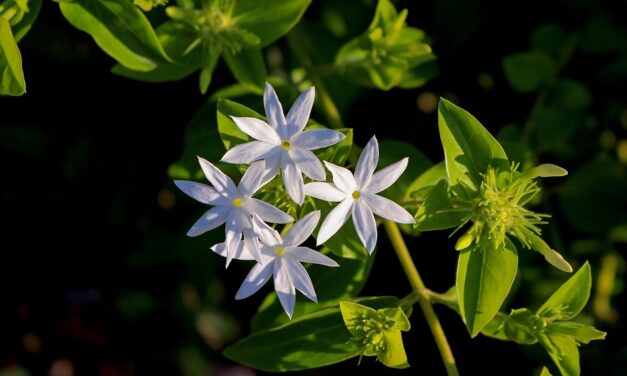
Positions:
{"x": 564, "y": 352}
{"x": 314, "y": 340}
{"x": 177, "y": 40}
{"x": 582, "y": 333}
{"x": 248, "y": 67}
{"x": 229, "y": 132}
{"x": 332, "y": 285}
{"x": 437, "y": 211}
{"x": 12, "y": 82}
{"x": 468, "y": 147}
{"x": 484, "y": 278}
{"x": 269, "y": 19}
{"x": 519, "y": 326}
{"x": 528, "y": 71}
{"x": 570, "y": 298}
{"x": 119, "y": 28}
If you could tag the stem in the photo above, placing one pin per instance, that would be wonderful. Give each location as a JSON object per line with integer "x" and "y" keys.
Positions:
{"x": 423, "y": 298}
{"x": 300, "y": 45}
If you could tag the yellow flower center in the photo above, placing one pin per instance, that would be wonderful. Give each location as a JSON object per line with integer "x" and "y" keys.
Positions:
{"x": 238, "y": 202}
{"x": 356, "y": 195}
{"x": 279, "y": 251}
{"x": 285, "y": 145}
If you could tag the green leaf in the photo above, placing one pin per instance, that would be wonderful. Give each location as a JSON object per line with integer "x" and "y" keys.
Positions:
{"x": 468, "y": 147}
{"x": 528, "y": 71}
{"x": 10, "y": 62}
{"x": 314, "y": 340}
{"x": 270, "y": 19}
{"x": 229, "y": 132}
{"x": 545, "y": 372}
{"x": 570, "y": 298}
{"x": 23, "y": 26}
{"x": 519, "y": 326}
{"x": 401, "y": 322}
{"x": 484, "y": 278}
{"x": 332, "y": 286}
{"x": 563, "y": 350}
{"x": 393, "y": 355}
{"x": 345, "y": 243}
{"x": 248, "y": 67}
{"x": 549, "y": 38}
{"x": 119, "y": 28}
{"x": 177, "y": 40}
{"x": 581, "y": 332}
{"x": 437, "y": 212}
{"x": 420, "y": 187}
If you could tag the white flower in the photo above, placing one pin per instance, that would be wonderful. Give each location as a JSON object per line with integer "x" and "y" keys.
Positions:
{"x": 283, "y": 144}
{"x": 243, "y": 214}
{"x": 359, "y": 193}
{"x": 282, "y": 259}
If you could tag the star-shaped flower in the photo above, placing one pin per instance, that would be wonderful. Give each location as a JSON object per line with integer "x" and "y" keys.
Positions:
{"x": 243, "y": 214}
{"x": 283, "y": 144}
{"x": 282, "y": 259}
{"x": 359, "y": 193}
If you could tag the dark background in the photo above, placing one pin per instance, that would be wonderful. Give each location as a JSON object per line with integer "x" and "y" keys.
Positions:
{"x": 97, "y": 274}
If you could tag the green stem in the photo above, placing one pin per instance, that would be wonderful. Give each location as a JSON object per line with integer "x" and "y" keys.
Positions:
{"x": 423, "y": 297}
{"x": 300, "y": 45}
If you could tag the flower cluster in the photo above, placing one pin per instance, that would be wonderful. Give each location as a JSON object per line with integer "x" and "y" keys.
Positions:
{"x": 283, "y": 146}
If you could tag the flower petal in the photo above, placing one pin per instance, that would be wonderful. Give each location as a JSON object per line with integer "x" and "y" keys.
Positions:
{"x": 324, "y": 191}
{"x": 365, "y": 225}
{"x": 233, "y": 231}
{"x": 257, "y": 129}
{"x": 342, "y": 178}
{"x": 222, "y": 183}
{"x": 200, "y": 192}
{"x": 292, "y": 179}
{"x": 301, "y": 279}
{"x": 298, "y": 115}
{"x": 301, "y": 230}
{"x": 258, "y": 276}
{"x": 385, "y": 177}
{"x": 242, "y": 252}
{"x": 317, "y": 138}
{"x": 304, "y": 254}
{"x": 274, "y": 110}
{"x": 336, "y": 219}
{"x": 266, "y": 234}
{"x": 250, "y": 152}
{"x": 387, "y": 209}
{"x": 367, "y": 163}
{"x": 213, "y": 218}
{"x": 273, "y": 165}
{"x": 251, "y": 181}
{"x": 308, "y": 163}
{"x": 268, "y": 212}
{"x": 284, "y": 286}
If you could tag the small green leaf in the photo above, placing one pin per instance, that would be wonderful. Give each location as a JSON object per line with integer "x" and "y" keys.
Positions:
{"x": 23, "y": 26}
{"x": 401, "y": 322}
{"x": 177, "y": 40}
{"x": 393, "y": 355}
{"x": 421, "y": 187}
{"x": 519, "y": 326}
{"x": 545, "y": 372}
{"x": 119, "y": 28}
{"x": 437, "y": 211}
{"x": 10, "y": 62}
{"x": 248, "y": 67}
{"x": 484, "y": 278}
{"x": 549, "y": 38}
{"x": 314, "y": 340}
{"x": 468, "y": 147}
{"x": 229, "y": 132}
{"x": 570, "y": 298}
{"x": 564, "y": 352}
{"x": 269, "y": 19}
{"x": 581, "y": 332}
{"x": 528, "y": 71}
